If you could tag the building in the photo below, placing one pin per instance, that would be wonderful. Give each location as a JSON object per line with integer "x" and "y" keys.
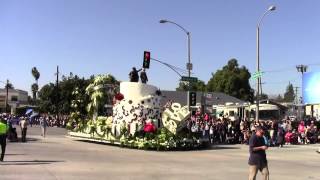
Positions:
{"x": 222, "y": 105}
{"x": 212, "y": 103}
{"x": 16, "y": 98}
{"x": 313, "y": 111}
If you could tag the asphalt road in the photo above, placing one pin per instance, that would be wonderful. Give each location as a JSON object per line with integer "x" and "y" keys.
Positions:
{"x": 58, "y": 157}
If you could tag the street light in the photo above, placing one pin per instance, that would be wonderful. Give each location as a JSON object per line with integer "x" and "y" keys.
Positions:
{"x": 302, "y": 69}
{"x": 271, "y": 8}
{"x": 189, "y": 65}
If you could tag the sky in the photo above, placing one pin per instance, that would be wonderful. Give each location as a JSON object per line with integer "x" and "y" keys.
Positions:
{"x": 109, "y": 36}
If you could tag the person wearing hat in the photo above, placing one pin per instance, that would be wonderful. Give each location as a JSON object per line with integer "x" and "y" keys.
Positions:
{"x": 258, "y": 158}
{"x": 3, "y": 137}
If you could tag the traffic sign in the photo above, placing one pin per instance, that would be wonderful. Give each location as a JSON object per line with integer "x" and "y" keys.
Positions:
{"x": 257, "y": 75}
{"x": 189, "y": 79}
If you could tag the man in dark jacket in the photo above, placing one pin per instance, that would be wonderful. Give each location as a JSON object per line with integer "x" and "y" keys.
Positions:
{"x": 258, "y": 158}
{"x": 133, "y": 75}
{"x": 143, "y": 76}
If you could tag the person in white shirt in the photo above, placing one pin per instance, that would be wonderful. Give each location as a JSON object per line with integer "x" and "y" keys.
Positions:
{"x": 23, "y": 125}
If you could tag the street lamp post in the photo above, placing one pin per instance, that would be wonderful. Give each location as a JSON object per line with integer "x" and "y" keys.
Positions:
{"x": 271, "y": 8}
{"x": 302, "y": 69}
{"x": 189, "y": 64}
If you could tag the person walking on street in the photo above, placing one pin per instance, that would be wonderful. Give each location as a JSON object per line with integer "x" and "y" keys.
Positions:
{"x": 43, "y": 125}
{"x": 3, "y": 137}
{"x": 258, "y": 158}
{"x": 23, "y": 124}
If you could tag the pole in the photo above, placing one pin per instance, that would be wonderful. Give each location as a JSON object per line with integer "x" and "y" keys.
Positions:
{"x": 57, "y": 95}
{"x": 189, "y": 55}
{"x": 258, "y": 79}
{"x": 7, "y": 95}
{"x": 189, "y": 66}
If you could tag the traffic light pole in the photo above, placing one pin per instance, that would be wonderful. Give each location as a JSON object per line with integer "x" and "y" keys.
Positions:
{"x": 173, "y": 68}
{"x": 189, "y": 65}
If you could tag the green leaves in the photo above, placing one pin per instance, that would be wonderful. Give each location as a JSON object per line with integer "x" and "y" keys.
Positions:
{"x": 98, "y": 93}
{"x": 232, "y": 80}
{"x": 289, "y": 95}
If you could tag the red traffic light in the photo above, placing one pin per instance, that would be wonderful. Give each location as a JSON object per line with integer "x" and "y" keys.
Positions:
{"x": 146, "y": 59}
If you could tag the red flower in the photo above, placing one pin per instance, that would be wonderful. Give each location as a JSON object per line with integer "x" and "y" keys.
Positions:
{"x": 149, "y": 128}
{"x": 119, "y": 96}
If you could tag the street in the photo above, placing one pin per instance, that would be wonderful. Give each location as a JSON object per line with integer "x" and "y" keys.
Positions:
{"x": 59, "y": 157}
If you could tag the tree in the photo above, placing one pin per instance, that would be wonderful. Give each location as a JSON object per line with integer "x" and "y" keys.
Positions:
{"x": 232, "y": 80}
{"x": 279, "y": 98}
{"x": 194, "y": 86}
{"x": 47, "y": 96}
{"x": 35, "y": 74}
{"x": 9, "y": 85}
{"x": 35, "y": 87}
{"x": 264, "y": 96}
{"x": 68, "y": 84}
{"x": 289, "y": 95}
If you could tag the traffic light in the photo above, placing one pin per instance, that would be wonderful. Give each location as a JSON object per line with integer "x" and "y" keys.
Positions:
{"x": 146, "y": 59}
{"x": 192, "y": 98}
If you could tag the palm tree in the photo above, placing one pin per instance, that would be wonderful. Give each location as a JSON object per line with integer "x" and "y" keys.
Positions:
{"x": 35, "y": 74}
{"x": 35, "y": 87}
{"x": 9, "y": 85}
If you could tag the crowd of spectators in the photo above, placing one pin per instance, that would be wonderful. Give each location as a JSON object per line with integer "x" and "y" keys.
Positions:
{"x": 50, "y": 120}
{"x": 277, "y": 132}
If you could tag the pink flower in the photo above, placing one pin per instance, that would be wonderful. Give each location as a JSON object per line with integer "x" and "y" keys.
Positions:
{"x": 149, "y": 128}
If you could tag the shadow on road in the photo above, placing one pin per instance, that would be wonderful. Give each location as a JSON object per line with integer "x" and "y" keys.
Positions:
{"x": 24, "y": 163}
{"x": 208, "y": 148}
{"x": 15, "y": 154}
{"x": 27, "y": 140}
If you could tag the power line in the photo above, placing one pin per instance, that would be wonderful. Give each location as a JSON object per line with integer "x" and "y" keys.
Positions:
{"x": 290, "y": 68}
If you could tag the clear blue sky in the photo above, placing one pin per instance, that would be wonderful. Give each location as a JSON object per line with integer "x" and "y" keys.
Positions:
{"x": 109, "y": 36}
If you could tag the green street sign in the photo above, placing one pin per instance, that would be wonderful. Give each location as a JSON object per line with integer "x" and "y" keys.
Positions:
{"x": 189, "y": 79}
{"x": 257, "y": 75}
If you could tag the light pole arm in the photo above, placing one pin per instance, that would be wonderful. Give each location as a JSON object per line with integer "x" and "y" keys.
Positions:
{"x": 260, "y": 20}
{"x": 168, "y": 65}
{"x": 183, "y": 29}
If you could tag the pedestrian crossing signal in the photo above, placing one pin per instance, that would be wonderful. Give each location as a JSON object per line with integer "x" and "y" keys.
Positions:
{"x": 192, "y": 98}
{"x": 146, "y": 59}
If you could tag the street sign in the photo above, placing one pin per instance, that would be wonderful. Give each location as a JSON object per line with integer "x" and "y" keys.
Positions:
{"x": 189, "y": 79}
{"x": 257, "y": 75}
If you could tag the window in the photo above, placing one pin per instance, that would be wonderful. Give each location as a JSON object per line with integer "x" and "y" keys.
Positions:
{"x": 14, "y": 98}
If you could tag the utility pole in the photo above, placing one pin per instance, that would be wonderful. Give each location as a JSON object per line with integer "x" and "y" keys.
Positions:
{"x": 297, "y": 102}
{"x": 296, "y": 95}
{"x": 7, "y": 95}
{"x": 57, "y": 95}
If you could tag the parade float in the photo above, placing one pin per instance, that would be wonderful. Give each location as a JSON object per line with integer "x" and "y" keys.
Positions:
{"x": 138, "y": 120}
